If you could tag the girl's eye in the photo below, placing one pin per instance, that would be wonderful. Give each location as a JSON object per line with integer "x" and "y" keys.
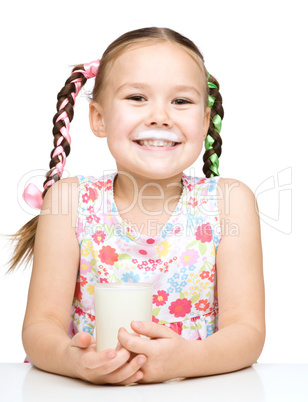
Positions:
{"x": 136, "y": 98}
{"x": 182, "y": 101}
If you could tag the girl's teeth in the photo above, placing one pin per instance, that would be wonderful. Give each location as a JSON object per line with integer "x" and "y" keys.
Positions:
{"x": 157, "y": 143}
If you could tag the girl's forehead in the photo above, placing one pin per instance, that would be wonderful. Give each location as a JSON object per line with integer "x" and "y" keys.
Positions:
{"x": 155, "y": 58}
{"x": 153, "y": 51}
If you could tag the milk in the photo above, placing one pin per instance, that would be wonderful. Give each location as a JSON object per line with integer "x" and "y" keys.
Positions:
{"x": 117, "y": 305}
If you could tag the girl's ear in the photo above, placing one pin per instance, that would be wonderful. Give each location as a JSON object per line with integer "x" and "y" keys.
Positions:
{"x": 206, "y": 122}
{"x": 96, "y": 119}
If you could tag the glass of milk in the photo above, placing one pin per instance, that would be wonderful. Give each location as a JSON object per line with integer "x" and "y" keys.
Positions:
{"x": 117, "y": 305}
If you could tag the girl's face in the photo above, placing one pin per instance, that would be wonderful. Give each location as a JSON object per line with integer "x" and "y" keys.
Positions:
{"x": 143, "y": 92}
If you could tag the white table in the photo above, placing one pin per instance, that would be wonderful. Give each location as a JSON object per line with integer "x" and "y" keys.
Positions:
{"x": 261, "y": 382}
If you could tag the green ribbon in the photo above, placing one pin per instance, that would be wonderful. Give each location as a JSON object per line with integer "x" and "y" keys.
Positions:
{"x": 212, "y": 85}
{"x": 215, "y": 164}
{"x": 217, "y": 123}
{"x": 211, "y": 101}
{"x": 209, "y": 140}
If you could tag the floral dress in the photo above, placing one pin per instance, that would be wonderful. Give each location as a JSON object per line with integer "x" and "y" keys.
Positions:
{"x": 179, "y": 261}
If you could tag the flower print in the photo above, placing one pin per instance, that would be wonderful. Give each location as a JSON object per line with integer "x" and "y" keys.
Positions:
{"x": 96, "y": 218}
{"x": 154, "y": 319}
{"x": 99, "y": 236}
{"x": 78, "y": 292}
{"x": 163, "y": 248}
{"x": 204, "y": 233}
{"x": 85, "y": 266}
{"x": 193, "y": 202}
{"x": 167, "y": 230}
{"x": 177, "y": 230}
{"x": 209, "y": 329}
{"x": 108, "y": 255}
{"x": 99, "y": 184}
{"x": 108, "y": 184}
{"x": 85, "y": 198}
{"x": 130, "y": 277}
{"x": 202, "y": 305}
{"x": 212, "y": 186}
{"x": 89, "y": 219}
{"x": 170, "y": 290}
{"x": 160, "y": 298}
{"x": 79, "y": 229}
{"x": 180, "y": 307}
{"x": 93, "y": 195}
{"x": 87, "y": 329}
{"x": 79, "y": 311}
{"x": 91, "y": 209}
{"x": 190, "y": 186}
{"x": 204, "y": 274}
{"x": 176, "y": 327}
{"x": 92, "y": 317}
{"x": 103, "y": 280}
{"x": 134, "y": 261}
{"x": 184, "y": 277}
{"x": 83, "y": 280}
{"x": 94, "y": 253}
{"x": 211, "y": 278}
{"x": 216, "y": 240}
{"x": 189, "y": 257}
{"x": 195, "y": 336}
{"x": 90, "y": 289}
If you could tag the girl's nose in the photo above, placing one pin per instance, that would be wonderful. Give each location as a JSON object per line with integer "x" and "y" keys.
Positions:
{"x": 159, "y": 116}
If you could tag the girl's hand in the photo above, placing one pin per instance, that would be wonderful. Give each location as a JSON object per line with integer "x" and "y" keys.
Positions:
{"x": 165, "y": 351}
{"x": 111, "y": 366}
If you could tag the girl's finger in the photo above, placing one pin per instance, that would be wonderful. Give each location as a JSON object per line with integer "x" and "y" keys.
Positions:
{"x": 82, "y": 340}
{"x": 108, "y": 360}
{"x": 129, "y": 373}
{"x": 152, "y": 329}
{"x": 134, "y": 344}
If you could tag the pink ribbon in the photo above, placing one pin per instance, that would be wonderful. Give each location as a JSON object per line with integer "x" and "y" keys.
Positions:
{"x": 32, "y": 195}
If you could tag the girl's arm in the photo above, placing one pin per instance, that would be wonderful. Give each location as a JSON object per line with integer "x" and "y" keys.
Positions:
{"x": 241, "y": 335}
{"x": 51, "y": 293}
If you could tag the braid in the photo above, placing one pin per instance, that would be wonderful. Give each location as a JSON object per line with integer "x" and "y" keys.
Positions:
{"x": 62, "y": 140}
{"x": 213, "y": 141}
{"x": 63, "y": 117}
{"x": 25, "y": 237}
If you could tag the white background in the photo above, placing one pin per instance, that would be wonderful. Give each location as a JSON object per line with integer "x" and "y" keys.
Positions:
{"x": 257, "y": 50}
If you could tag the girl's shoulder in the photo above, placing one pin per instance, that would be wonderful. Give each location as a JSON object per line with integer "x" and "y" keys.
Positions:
{"x": 236, "y": 201}
{"x": 62, "y": 198}
{"x": 228, "y": 187}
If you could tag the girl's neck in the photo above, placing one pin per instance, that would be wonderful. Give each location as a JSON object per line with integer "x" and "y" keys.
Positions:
{"x": 147, "y": 194}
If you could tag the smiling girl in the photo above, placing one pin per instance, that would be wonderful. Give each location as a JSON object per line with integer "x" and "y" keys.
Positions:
{"x": 156, "y": 104}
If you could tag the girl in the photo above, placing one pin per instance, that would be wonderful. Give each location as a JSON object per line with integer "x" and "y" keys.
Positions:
{"x": 196, "y": 239}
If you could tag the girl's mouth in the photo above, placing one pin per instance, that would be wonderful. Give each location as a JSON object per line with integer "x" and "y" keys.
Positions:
{"x": 156, "y": 145}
